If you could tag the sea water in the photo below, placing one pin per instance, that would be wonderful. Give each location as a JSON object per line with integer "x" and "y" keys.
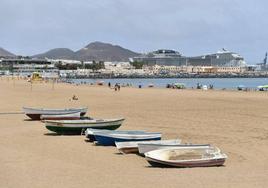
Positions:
{"x": 218, "y": 83}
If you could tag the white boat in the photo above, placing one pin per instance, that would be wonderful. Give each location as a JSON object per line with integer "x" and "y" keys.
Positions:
{"x": 66, "y": 116}
{"x": 146, "y": 147}
{"x": 182, "y": 157}
{"x": 132, "y": 147}
{"x": 35, "y": 113}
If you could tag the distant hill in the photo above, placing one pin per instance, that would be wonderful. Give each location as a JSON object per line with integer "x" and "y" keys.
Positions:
{"x": 4, "y": 52}
{"x": 57, "y": 53}
{"x": 104, "y": 52}
{"x": 97, "y": 51}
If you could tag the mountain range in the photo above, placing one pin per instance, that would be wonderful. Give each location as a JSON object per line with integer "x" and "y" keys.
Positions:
{"x": 97, "y": 51}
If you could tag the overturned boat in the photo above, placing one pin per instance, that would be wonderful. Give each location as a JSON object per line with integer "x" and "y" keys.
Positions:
{"x": 79, "y": 126}
{"x": 35, "y": 113}
{"x": 182, "y": 157}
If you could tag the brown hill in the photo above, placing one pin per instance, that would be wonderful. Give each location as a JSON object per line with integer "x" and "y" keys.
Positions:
{"x": 57, "y": 53}
{"x": 104, "y": 52}
{"x": 5, "y": 53}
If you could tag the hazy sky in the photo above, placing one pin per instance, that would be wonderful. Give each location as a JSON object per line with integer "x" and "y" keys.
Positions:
{"x": 193, "y": 27}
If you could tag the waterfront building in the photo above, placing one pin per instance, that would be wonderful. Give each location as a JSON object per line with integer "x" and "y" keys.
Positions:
{"x": 26, "y": 66}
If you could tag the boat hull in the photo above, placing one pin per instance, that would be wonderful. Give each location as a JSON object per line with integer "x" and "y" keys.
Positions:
{"x": 134, "y": 147}
{"x": 91, "y": 136}
{"x": 129, "y": 150}
{"x": 110, "y": 141}
{"x": 38, "y": 117}
{"x": 61, "y": 118}
{"x": 79, "y": 130}
{"x": 203, "y": 163}
{"x": 67, "y": 116}
{"x": 35, "y": 114}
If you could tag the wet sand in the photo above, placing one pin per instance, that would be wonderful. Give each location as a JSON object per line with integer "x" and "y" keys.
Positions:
{"x": 30, "y": 156}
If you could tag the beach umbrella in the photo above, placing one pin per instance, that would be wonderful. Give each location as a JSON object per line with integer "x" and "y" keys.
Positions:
{"x": 263, "y": 87}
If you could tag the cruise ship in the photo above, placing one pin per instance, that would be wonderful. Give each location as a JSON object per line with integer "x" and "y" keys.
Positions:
{"x": 161, "y": 57}
{"x": 222, "y": 58}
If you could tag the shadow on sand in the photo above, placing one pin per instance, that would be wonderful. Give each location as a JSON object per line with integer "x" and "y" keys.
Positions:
{"x": 56, "y": 134}
{"x": 30, "y": 120}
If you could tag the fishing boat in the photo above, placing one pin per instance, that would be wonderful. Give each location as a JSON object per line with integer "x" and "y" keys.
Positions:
{"x": 181, "y": 157}
{"x": 35, "y": 113}
{"x": 146, "y": 147}
{"x": 78, "y": 126}
{"x": 132, "y": 147}
{"x": 66, "y": 116}
{"x": 109, "y": 139}
{"x": 89, "y": 133}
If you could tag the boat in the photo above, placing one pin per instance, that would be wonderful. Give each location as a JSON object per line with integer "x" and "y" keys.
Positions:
{"x": 146, "y": 147}
{"x": 66, "y": 116}
{"x": 79, "y": 126}
{"x": 35, "y": 113}
{"x": 109, "y": 139}
{"x": 181, "y": 157}
{"x": 132, "y": 147}
{"x": 89, "y": 133}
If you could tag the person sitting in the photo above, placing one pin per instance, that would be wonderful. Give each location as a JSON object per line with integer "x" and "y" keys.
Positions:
{"x": 75, "y": 97}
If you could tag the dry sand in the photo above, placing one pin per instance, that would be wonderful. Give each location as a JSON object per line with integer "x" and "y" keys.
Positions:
{"x": 237, "y": 122}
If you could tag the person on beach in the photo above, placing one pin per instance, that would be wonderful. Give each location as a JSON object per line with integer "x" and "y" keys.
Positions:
{"x": 109, "y": 84}
{"x": 115, "y": 87}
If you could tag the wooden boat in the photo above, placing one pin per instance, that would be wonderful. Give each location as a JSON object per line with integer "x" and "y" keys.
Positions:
{"x": 181, "y": 157}
{"x": 66, "y": 116}
{"x": 89, "y": 133}
{"x": 78, "y": 126}
{"x": 146, "y": 147}
{"x": 35, "y": 113}
{"x": 109, "y": 139}
{"x": 132, "y": 147}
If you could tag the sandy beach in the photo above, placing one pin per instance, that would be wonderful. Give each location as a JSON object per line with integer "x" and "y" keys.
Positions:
{"x": 236, "y": 122}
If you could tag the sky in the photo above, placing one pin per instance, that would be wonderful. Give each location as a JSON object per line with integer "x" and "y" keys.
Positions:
{"x": 192, "y": 27}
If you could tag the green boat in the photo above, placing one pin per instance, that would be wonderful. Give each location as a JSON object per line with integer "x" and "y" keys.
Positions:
{"x": 77, "y": 127}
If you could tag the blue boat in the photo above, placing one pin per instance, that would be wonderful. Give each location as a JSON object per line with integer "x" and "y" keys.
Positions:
{"x": 90, "y": 133}
{"x": 109, "y": 139}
